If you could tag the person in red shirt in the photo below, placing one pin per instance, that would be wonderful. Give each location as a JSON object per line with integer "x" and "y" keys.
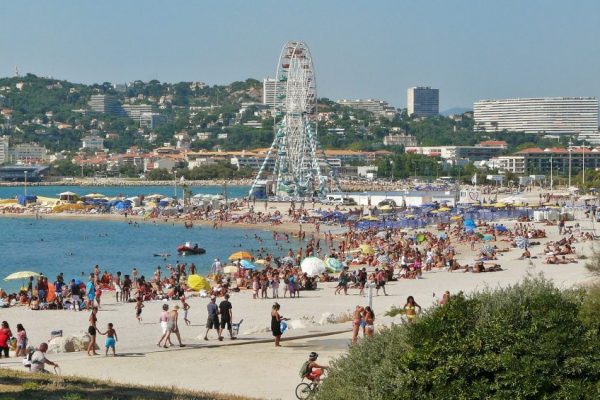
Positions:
{"x": 5, "y": 335}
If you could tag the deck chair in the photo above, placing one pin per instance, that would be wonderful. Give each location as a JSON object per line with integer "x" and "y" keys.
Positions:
{"x": 235, "y": 328}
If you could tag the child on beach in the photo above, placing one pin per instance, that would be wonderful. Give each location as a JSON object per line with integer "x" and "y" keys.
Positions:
{"x": 138, "y": 309}
{"x": 111, "y": 339}
{"x": 21, "y": 341}
{"x": 185, "y": 306}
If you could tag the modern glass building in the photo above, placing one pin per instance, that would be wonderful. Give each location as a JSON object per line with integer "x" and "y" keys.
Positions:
{"x": 423, "y": 101}
{"x": 550, "y": 115}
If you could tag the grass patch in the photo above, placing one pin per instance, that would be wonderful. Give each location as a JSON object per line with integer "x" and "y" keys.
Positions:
{"x": 17, "y": 385}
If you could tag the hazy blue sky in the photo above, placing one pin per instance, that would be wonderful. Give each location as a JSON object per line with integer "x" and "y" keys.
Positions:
{"x": 362, "y": 49}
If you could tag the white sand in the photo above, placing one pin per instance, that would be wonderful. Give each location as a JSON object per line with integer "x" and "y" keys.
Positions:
{"x": 260, "y": 369}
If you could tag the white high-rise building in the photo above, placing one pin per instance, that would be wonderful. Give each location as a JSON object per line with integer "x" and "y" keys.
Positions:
{"x": 423, "y": 101}
{"x": 271, "y": 90}
{"x": 4, "y": 156}
{"x": 550, "y": 115}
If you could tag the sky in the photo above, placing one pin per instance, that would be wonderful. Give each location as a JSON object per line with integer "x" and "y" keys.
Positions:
{"x": 469, "y": 49}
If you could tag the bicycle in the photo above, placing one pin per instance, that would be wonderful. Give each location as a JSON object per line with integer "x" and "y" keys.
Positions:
{"x": 306, "y": 390}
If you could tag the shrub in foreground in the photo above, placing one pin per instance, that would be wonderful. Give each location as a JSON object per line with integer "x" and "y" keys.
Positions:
{"x": 523, "y": 342}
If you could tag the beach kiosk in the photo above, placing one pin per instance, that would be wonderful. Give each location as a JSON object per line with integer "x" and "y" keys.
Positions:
{"x": 69, "y": 197}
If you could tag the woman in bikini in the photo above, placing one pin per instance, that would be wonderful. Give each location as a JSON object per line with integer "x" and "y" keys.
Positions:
{"x": 369, "y": 322}
{"x": 410, "y": 309}
{"x": 357, "y": 319}
{"x": 92, "y": 330}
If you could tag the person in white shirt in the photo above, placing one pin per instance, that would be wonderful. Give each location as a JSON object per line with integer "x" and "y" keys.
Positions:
{"x": 39, "y": 360}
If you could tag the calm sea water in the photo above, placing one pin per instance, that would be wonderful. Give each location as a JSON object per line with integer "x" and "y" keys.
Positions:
{"x": 73, "y": 247}
{"x": 127, "y": 191}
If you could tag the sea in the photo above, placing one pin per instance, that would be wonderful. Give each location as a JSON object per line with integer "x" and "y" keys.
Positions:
{"x": 74, "y": 247}
{"x": 8, "y": 192}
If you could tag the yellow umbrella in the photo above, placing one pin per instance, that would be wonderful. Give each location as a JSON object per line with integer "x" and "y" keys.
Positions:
{"x": 261, "y": 262}
{"x": 366, "y": 249}
{"x": 21, "y": 275}
{"x": 197, "y": 283}
{"x": 455, "y": 217}
{"x": 230, "y": 269}
{"x": 499, "y": 205}
{"x": 444, "y": 209}
{"x": 244, "y": 255}
{"x": 370, "y": 218}
{"x": 385, "y": 208}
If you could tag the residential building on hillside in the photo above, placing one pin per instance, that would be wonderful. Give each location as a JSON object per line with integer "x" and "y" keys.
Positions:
{"x": 135, "y": 111}
{"x": 92, "y": 143}
{"x": 378, "y": 107}
{"x": 152, "y": 120}
{"x": 400, "y": 139}
{"x": 542, "y": 161}
{"x": 550, "y": 115}
{"x": 4, "y": 143}
{"x": 454, "y": 153}
{"x": 105, "y": 104}
{"x": 514, "y": 164}
{"x": 28, "y": 153}
{"x": 423, "y": 101}
{"x": 272, "y": 92}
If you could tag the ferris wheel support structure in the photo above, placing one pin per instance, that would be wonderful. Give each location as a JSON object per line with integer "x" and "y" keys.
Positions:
{"x": 293, "y": 158}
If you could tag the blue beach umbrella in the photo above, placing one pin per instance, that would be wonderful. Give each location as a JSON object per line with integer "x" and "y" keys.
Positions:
{"x": 247, "y": 265}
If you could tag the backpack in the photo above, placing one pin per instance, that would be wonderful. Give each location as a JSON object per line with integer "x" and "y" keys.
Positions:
{"x": 304, "y": 369}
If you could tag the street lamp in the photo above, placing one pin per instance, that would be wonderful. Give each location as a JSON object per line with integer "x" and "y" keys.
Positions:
{"x": 551, "y": 175}
{"x": 570, "y": 150}
{"x": 25, "y": 172}
{"x": 392, "y": 167}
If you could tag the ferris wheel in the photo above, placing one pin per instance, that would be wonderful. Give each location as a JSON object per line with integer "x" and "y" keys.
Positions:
{"x": 293, "y": 156}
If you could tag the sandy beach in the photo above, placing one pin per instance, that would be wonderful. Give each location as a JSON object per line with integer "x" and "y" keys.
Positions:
{"x": 251, "y": 365}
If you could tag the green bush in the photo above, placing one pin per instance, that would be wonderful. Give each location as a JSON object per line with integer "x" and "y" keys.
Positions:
{"x": 522, "y": 342}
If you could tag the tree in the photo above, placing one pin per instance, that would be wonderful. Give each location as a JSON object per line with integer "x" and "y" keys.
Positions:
{"x": 523, "y": 342}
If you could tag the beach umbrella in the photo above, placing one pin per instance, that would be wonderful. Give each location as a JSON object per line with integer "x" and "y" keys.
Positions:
{"x": 456, "y": 217}
{"x": 198, "y": 283}
{"x": 501, "y": 228}
{"x": 488, "y": 249}
{"x": 333, "y": 264}
{"x": 244, "y": 255}
{"x": 521, "y": 242}
{"x": 230, "y": 269}
{"x": 313, "y": 266}
{"x": 260, "y": 262}
{"x": 287, "y": 260}
{"x": 383, "y": 259}
{"x": 247, "y": 265}
{"x": 381, "y": 235}
{"x": 366, "y": 249}
{"x": 420, "y": 238}
{"x": 21, "y": 275}
{"x": 443, "y": 209}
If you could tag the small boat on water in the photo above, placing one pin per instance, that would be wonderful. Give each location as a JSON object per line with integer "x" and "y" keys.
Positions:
{"x": 187, "y": 248}
{"x": 163, "y": 255}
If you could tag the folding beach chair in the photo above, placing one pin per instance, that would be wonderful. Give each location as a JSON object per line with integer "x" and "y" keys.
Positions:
{"x": 235, "y": 328}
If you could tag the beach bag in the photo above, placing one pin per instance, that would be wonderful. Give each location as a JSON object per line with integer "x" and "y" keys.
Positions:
{"x": 304, "y": 369}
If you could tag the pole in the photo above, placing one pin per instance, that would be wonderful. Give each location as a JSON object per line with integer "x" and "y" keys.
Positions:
{"x": 570, "y": 148}
{"x": 175, "y": 183}
{"x": 583, "y": 162}
{"x": 551, "y": 177}
{"x": 25, "y": 172}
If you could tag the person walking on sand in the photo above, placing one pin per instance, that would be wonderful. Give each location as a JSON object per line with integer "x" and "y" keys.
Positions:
{"x": 118, "y": 287}
{"x": 172, "y": 325}
{"x": 163, "y": 320}
{"x": 225, "y": 308}
{"x": 138, "y": 309}
{"x": 410, "y": 309}
{"x": 90, "y": 288}
{"x": 185, "y": 307}
{"x": 111, "y": 339}
{"x": 213, "y": 318}
{"x": 276, "y": 319}
{"x": 92, "y": 330}
{"x": 21, "y": 341}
